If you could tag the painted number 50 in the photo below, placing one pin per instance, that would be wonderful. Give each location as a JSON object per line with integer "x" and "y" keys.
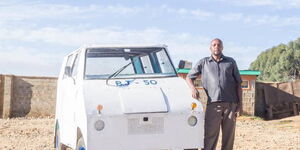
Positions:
{"x": 150, "y": 82}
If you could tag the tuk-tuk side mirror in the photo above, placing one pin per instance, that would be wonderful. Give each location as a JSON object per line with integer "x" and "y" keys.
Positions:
{"x": 183, "y": 64}
{"x": 68, "y": 71}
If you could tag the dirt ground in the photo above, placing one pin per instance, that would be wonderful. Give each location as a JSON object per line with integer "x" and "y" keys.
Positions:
{"x": 251, "y": 134}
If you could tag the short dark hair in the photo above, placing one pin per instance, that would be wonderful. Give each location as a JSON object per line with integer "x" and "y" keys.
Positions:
{"x": 217, "y": 39}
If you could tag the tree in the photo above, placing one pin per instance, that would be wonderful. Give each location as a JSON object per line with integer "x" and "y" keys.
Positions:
{"x": 280, "y": 63}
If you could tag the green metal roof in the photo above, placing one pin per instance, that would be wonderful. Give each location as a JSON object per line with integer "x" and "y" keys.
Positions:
{"x": 183, "y": 70}
{"x": 249, "y": 72}
{"x": 242, "y": 72}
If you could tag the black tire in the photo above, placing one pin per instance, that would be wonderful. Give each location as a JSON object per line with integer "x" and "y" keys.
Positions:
{"x": 80, "y": 144}
{"x": 58, "y": 144}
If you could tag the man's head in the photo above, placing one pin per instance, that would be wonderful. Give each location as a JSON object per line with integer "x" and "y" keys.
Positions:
{"x": 216, "y": 47}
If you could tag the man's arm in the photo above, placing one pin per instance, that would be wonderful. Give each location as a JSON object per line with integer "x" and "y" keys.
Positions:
{"x": 190, "y": 82}
{"x": 239, "y": 92}
{"x": 192, "y": 75}
{"x": 240, "y": 97}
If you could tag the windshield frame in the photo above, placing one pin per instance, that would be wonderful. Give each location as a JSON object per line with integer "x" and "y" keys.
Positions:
{"x": 142, "y": 76}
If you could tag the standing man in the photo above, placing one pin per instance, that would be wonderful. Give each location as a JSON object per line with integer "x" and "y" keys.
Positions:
{"x": 222, "y": 83}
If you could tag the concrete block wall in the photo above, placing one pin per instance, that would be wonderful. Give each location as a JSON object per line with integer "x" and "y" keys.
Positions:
{"x": 248, "y": 97}
{"x": 249, "y": 102}
{"x": 35, "y": 96}
{"x": 203, "y": 97}
{"x": 27, "y": 96}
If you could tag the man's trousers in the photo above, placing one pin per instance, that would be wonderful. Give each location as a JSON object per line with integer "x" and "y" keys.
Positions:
{"x": 220, "y": 114}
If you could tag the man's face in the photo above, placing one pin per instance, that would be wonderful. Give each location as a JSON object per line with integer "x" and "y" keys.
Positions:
{"x": 216, "y": 47}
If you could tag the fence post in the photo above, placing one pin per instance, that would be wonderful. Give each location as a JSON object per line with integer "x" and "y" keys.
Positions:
{"x": 296, "y": 108}
{"x": 1, "y": 94}
{"x": 291, "y": 83}
{"x": 269, "y": 112}
{"x": 7, "y": 95}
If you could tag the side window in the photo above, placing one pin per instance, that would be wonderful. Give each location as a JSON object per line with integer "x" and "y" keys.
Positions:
{"x": 75, "y": 66}
{"x": 245, "y": 84}
{"x": 155, "y": 63}
{"x": 69, "y": 63}
{"x": 165, "y": 64}
{"x": 147, "y": 64}
{"x": 137, "y": 65}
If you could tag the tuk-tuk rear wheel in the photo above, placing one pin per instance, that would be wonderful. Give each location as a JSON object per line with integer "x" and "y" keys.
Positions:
{"x": 58, "y": 144}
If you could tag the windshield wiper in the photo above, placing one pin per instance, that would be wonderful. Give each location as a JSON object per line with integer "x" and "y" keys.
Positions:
{"x": 117, "y": 72}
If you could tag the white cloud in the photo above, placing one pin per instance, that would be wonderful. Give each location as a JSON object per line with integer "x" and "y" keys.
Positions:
{"x": 34, "y": 61}
{"x": 26, "y": 11}
{"x": 294, "y": 3}
{"x": 70, "y": 36}
{"x": 201, "y": 13}
{"x": 39, "y": 11}
{"x": 29, "y": 61}
{"x": 261, "y": 20}
{"x": 26, "y": 59}
{"x": 264, "y": 19}
{"x": 277, "y": 4}
{"x": 232, "y": 17}
{"x": 243, "y": 55}
{"x": 256, "y": 2}
{"x": 197, "y": 13}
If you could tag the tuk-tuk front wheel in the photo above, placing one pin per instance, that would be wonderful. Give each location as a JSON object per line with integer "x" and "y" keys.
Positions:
{"x": 80, "y": 144}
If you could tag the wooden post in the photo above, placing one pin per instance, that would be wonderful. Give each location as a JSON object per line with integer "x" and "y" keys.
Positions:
{"x": 296, "y": 108}
{"x": 269, "y": 112}
{"x": 291, "y": 83}
{"x": 8, "y": 95}
{"x": 1, "y": 95}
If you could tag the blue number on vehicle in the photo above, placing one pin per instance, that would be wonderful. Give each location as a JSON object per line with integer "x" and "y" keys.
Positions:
{"x": 154, "y": 82}
{"x": 148, "y": 82}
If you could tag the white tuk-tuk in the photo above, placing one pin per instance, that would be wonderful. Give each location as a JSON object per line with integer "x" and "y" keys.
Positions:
{"x": 125, "y": 98}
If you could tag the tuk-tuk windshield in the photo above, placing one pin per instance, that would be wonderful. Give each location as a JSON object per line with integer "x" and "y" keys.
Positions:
{"x": 139, "y": 62}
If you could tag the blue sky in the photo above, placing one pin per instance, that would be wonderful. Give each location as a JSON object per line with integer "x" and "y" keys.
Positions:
{"x": 36, "y": 35}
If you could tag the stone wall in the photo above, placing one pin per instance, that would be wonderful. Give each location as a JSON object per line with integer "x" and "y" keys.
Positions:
{"x": 22, "y": 96}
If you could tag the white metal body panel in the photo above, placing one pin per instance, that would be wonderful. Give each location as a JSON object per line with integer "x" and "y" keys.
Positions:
{"x": 166, "y": 105}
{"x": 134, "y": 100}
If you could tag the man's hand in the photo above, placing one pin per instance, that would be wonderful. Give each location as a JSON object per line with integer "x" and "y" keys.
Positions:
{"x": 238, "y": 108}
{"x": 195, "y": 93}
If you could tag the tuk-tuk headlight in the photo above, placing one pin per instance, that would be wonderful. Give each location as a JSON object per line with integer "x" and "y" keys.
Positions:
{"x": 192, "y": 121}
{"x": 99, "y": 125}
